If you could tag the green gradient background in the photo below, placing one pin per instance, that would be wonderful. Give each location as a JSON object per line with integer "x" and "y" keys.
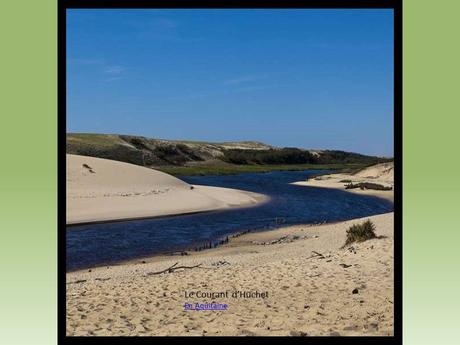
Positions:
{"x": 28, "y": 109}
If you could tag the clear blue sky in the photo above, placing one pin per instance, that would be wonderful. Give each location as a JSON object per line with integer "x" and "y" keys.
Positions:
{"x": 303, "y": 78}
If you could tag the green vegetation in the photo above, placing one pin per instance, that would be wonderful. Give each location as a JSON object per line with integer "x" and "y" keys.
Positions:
{"x": 203, "y": 158}
{"x": 231, "y": 169}
{"x": 360, "y": 233}
{"x": 178, "y": 154}
{"x": 103, "y": 146}
{"x": 289, "y": 155}
{"x": 271, "y": 156}
{"x": 345, "y": 181}
{"x": 367, "y": 185}
{"x": 87, "y": 139}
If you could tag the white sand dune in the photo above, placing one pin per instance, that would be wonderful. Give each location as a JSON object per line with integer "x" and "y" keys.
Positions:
{"x": 380, "y": 173}
{"x": 383, "y": 172}
{"x": 104, "y": 190}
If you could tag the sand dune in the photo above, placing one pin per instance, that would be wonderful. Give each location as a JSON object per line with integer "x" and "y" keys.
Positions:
{"x": 103, "y": 190}
{"x": 380, "y": 173}
{"x": 343, "y": 291}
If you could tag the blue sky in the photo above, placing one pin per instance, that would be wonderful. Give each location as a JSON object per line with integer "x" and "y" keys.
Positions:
{"x": 303, "y": 78}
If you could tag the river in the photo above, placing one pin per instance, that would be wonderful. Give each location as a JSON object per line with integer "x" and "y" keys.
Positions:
{"x": 108, "y": 243}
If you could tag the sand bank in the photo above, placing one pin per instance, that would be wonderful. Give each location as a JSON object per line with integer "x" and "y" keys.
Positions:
{"x": 382, "y": 174}
{"x": 340, "y": 291}
{"x": 106, "y": 190}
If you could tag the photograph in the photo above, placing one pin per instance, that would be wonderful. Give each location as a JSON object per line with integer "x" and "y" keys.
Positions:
{"x": 230, "y": 172}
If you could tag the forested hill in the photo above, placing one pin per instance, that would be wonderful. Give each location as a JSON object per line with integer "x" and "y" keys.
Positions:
{"x": 162, "y": 153}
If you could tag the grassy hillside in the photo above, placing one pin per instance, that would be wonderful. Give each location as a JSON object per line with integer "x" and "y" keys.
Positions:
{"x": 192, "y": 157}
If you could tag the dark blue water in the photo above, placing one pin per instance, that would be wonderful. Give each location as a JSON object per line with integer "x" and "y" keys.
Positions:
{"x": 98, "y": 244}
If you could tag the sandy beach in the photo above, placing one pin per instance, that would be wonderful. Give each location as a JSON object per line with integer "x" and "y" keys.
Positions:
{"x": 105, "y": 190}
{"x": 382, "y": 174}
{"x": 314, "y": 287}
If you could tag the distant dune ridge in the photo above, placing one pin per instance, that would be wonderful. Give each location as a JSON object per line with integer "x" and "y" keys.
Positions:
{"x": 150, "y": 152}
{"x": 103, "y": 190}
{"x": 157, "y": 152}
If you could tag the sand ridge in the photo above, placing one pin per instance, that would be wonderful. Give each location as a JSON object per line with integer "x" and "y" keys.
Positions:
{"x": 106, "y": 190}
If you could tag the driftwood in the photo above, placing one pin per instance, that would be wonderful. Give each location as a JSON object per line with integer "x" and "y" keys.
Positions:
{"x": 172, "y": 269}
{"x": 77, "y": 281}
{"x": 86, "y": 166}
{"x": 316, "y": 255}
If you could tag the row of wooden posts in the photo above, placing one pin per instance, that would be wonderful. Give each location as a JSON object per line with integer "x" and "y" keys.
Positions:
{"x": 215, "y": 244}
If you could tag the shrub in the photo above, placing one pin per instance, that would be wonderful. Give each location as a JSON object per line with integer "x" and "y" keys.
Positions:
{"x": 366, "y": 185}
{"x": 360, "y": 232}
{"x": 345, "y": 181}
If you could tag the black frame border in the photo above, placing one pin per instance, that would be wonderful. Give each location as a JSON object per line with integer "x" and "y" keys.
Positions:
{"x": 397, "y": 7}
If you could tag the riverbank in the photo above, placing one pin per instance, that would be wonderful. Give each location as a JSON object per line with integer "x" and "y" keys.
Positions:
{"x": 100, "y": 190}
{"x": 314, "y": 287}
